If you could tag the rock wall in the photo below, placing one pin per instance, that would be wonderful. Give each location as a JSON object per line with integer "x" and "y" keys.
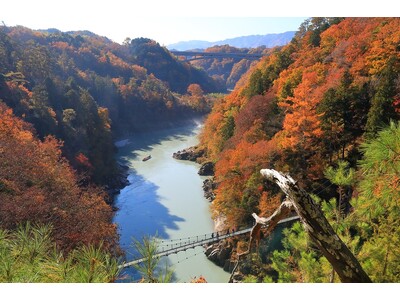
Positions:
{"x": 220, "y": 253}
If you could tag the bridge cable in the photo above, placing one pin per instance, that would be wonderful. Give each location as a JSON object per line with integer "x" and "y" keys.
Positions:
{"x": 186, "y": 258}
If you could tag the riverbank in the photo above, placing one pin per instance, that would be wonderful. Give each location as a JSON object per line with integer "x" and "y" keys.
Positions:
{"x": 117, "y": 183}
{"x": 165, "y": 198}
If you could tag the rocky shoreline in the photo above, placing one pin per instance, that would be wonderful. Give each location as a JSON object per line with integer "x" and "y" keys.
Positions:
{"x": 208, "y": 187}
{"x": 206, "y": 169}
{"x": 117, "y": 183}
{"x": 219, "y": 253}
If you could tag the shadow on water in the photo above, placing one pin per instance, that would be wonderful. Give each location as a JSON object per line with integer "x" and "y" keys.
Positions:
{"x": 140, "y": 211}
{"x": 141, "y": 214}
{"x": 147, "y": 140}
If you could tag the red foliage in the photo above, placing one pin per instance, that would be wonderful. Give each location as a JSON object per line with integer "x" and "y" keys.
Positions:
{"x": 82, "y": 160}
{"x": 360, "y": 46}
{"x": 38, "y": 185}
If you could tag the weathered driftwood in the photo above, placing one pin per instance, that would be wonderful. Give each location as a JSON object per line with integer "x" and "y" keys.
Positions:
{"x": 282, "y": 212}
{"x": 315, "y": 224}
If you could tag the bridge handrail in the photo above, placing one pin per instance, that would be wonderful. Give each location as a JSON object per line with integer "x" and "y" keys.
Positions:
{"x": 198, "y": 243}
{"x": 217, "y": 54}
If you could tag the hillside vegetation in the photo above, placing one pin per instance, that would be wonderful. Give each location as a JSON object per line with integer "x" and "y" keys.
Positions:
{"x": 228, "y": 71}
{"x": 315, "y": 108}
{"x": 85, "y": 89}
{"x": 64, "y": 98}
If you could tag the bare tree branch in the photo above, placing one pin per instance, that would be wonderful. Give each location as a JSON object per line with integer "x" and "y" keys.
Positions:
{"x": 315, "y": 224}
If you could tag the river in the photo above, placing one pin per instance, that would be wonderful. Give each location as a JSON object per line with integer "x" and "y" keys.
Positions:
{"x": 165, "y": 198}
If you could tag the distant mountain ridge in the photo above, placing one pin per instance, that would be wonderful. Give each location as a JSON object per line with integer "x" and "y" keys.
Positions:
{"x": 250, "y": 41}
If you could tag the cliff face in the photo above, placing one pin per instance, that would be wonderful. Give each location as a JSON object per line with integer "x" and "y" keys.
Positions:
{"x": 220, "y": 254}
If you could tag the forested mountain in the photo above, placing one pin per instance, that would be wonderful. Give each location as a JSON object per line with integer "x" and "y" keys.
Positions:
{"x": 314, "y": 109}
{"x": 228, "y": 71}
{"x": 64, "y": 97}
{"x": 324, "y": 108}
{"x": 164, "y": 66}
{"x": 83, "y": 89}
{"x": 251, "y": 41}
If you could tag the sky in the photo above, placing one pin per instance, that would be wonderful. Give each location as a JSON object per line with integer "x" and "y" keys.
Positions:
{"x": 171, "y": 21}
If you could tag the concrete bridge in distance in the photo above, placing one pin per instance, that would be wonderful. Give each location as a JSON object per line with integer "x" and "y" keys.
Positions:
{"x": 195, "y": 55}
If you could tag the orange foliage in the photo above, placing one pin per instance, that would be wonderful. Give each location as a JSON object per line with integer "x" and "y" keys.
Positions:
{"x": 360, "y": 46}
{"x": 301, "y": 124}
{"x": 20, "y": 89}
{"x": 210, "y": 136}
{"x": 62, "y": 45}
{"x": 233, "y": 170}
{"x": 201, "y": 279}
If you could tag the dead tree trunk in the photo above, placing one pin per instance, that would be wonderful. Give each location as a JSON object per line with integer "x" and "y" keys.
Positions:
{"x": 316, "y": 225}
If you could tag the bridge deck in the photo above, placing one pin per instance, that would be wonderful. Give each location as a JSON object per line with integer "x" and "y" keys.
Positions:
{"x": 203, "y": 55}
{"x": 198, "y": 242}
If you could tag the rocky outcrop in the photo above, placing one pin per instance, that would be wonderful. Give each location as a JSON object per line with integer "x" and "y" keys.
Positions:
{"x": 208, "y": 187}
{"x": 237, "y": 277}
{"x": 117, "y": 183}
{"x": 220, "y": 253}
{"x": 191, "y": 154}
{"x": 207, "y": 169}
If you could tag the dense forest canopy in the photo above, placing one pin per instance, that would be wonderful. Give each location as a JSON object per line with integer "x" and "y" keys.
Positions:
{"x": 324, "y": 108}
{"x": 312, "y": 106}
{"x": 38, "y": 185}
{"x": 85, "y": 89}
{"x": 64, "y": 98}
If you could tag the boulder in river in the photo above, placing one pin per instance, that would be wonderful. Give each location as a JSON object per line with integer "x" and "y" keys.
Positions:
{"x": 191, "y": 154}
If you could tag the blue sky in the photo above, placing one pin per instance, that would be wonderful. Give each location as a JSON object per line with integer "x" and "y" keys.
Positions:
{"x": 171, "y": 30}
{"x": 170, "y": 21}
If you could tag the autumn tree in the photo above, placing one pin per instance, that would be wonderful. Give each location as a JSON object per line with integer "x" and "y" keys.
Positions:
{"x": 196, "y": 98}
{"x": 261, "y": 111}
{"x": 37, "y": 184}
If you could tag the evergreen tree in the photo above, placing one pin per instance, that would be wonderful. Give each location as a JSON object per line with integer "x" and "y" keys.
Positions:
{"x": 343, "y": 110}
{"x": 382, "y": 109}
{"x": 344, "y": 178}
{"x": 149, "y": 268}
{"x": 28, "y": 255}
{"x": 377, "y": 208}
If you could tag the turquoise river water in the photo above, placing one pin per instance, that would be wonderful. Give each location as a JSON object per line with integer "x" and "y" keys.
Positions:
{"x": 165, "y": 198}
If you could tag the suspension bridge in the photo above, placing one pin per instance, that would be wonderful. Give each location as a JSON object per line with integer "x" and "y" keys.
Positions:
{"x": 195, "y": 55}
{"x": 168, "y": 247}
